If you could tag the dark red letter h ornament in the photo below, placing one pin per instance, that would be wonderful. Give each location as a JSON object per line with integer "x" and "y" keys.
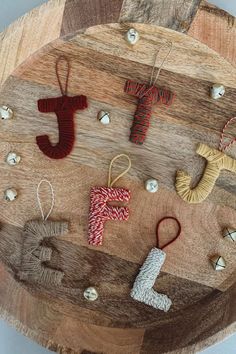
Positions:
{"x": 64, "y": 108}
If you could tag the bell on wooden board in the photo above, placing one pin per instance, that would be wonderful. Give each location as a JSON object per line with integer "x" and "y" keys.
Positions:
{"x": 13, "y": 159}
{"x": 229, "y": 234}
{"x": 104, "y": 117}
{"x": 151, "y": 185}
{"x": 10, "y": 194}
{"x": 90, "y": 294}
{"x": 218, "y": 262}
{"x": 217, "y": 91}
{"x": 6, "y": 112}
{"x": 132, "y": 36}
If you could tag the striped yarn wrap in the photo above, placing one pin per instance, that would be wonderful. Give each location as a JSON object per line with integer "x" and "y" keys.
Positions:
{"x": 100, "y": 212}
{"x": 147, "y": 96}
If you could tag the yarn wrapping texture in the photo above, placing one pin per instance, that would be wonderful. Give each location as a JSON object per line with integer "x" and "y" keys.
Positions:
{"x": 34, "y": 253}
{"x": 216, "y": 162}
{"x": 143, "y": 286}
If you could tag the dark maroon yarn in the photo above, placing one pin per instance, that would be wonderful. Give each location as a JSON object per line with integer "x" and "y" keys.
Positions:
{"x": 64, "y": 107}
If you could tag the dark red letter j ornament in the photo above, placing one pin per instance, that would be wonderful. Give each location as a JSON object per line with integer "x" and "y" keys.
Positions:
{"x": 147, "y": 95}
{"x": 64, "y": 107}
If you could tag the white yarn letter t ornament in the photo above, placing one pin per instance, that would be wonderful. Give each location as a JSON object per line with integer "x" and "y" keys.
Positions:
{"x": 143, "y": 286}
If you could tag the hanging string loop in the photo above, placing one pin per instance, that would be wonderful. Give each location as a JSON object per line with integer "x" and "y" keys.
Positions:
{"x": 110, "y": 182}
{"x": 157, "y": 231}
{"x": 153, "y": 80}
{"x": 66, "y": 60}
{"x": 223, "y": 147}
{"x": 167, "y": 44}
{"x": 52, "y": 199}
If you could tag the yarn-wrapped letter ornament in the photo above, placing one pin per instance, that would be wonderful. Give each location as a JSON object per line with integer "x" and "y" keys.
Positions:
{"x": 100, "y": 211}
{"x": 143, "y": 286}
{"x": 64, "y": 107}
{"x": 147, "y": 97}
{"x": 35, "y": 253}
{"x": 216, "y": 161}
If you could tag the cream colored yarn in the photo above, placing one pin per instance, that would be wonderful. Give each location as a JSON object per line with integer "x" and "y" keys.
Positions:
{"x": 216, "y": 161}
{"x": 143, "y": 286}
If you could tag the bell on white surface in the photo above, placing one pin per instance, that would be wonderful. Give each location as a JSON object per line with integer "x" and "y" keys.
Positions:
{"x": 104, "y": 117}
{"x": 217, "y": 91}
{"x": 151, "y": 185}
{"x": 218, "y": 262}
{"x": 229, "y": 234}
{"x": 90, "y": 294}
{"x": 6, "y": 112}
{"x": 10, "y": 194}
{"x": 13, "y": 159}
{"x": 132, "y": 36}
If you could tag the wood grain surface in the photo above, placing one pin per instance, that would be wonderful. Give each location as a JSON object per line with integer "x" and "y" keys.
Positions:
{"x": 216, "y": 28}
{"x": 203, "y": 300}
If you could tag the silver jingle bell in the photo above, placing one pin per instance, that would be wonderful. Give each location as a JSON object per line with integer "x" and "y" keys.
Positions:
{"x": 104, "y": 117}
{"x": 10, "y": 194}
{"x": 90, "y": 294}
{"x": 151, "y": 185}
{"x": 6, "y": 112}
{"x": 229, "y": 234}
{"x": 218, "y": 262}
{"x": 217, "y": 91}
{"x": 13, "y": 159}
{"x": 132, "y": 36}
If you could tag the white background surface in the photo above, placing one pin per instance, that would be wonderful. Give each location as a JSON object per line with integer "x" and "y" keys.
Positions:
{"x": 12, "y": 342}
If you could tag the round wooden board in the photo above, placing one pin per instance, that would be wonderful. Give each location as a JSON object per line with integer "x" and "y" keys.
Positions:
{"x": 203, "y": 300}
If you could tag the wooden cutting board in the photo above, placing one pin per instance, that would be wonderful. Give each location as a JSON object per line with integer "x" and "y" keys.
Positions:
{"x": 91, "y": 34}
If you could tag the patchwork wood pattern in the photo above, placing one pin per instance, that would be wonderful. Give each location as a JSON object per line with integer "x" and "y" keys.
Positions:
{"x": 91, "y": 33}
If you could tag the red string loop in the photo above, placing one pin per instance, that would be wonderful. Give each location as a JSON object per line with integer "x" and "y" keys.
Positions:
{"x": 63, "y": 58}
{"x": 223, "y": 147}
{"x": 177, "y": 235}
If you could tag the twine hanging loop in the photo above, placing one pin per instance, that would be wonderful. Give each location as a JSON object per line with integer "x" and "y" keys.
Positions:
{"x": 66, "y": 60}
{"x": 52, "y": 199}
{"x": 110, "y": 182}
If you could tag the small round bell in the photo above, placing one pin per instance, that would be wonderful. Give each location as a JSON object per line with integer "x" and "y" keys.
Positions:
{"x": 151, "y": 185}
{"x": 13, "y": 159}
{"x": 6, "y": 112}
{"x": 132, "y": 36}
{"x": 104, "y": 117}
{"x": 229, "y": 234}
{"x": 218, "y": 262}
{"x": 10, "y": 194}
{"x": 90, "y": 294}
{"x": 217, "y": 91}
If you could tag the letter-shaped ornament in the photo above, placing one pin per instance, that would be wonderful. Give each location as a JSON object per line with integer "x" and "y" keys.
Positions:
{"x": 34, "y": 253}
{"x": 64, "y": 107}
{"x": 216, "y": 161}
{"x": 100, "y": 211}
{"x": 143, "y": 286}
{"x": 147, "y": 97}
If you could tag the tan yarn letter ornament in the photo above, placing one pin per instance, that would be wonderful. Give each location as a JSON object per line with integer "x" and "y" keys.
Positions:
{"x": 217, "y": 160}
{"x": 34, "y": 253}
